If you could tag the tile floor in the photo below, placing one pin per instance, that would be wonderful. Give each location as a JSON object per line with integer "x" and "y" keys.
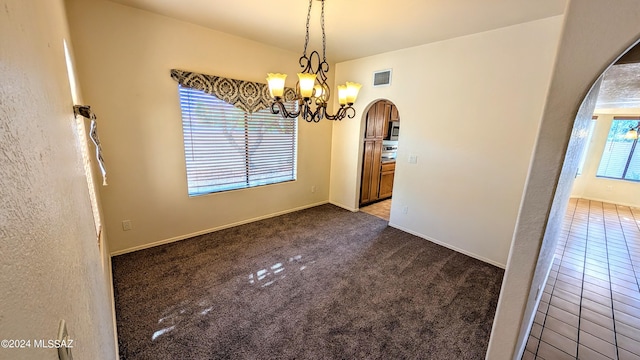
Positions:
{"x": 590, "y": 308}
{"x": 381, "y": 209}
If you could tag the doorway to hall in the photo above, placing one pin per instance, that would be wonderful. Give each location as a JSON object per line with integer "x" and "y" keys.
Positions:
{"x": 380, "y": 145}
{"x": 590, "y": 305}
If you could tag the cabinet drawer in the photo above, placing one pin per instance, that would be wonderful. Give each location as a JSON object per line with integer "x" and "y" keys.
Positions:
{"x": 388, "y": 166}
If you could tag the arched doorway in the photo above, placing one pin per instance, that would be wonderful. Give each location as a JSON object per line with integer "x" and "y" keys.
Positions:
{"x": 381, "y": 132}
{"x": 555, "y": 160}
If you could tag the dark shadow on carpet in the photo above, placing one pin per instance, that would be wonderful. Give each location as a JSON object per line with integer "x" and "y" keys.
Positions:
{"x": 322, "y": 283}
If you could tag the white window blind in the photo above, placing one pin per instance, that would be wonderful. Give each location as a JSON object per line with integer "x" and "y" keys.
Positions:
{"x": 620, "y": 158}
{"x": 227, "y": 148}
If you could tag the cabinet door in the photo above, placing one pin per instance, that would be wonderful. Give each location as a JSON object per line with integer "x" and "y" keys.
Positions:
{"x": 383, "y": 113}
{"x": 386, "y": 184}
{"x": 367, "y": 170}
{"x": 370, "y": 171}
{"x": 387, "y": 120}
{"x": 369, "y": 130}
{"x": 394, "y": 113}
{"x": 376, "y": 121}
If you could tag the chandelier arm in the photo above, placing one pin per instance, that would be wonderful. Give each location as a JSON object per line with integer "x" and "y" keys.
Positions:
{"x": 352, "y": 112}
{"x": 344, "y": 111}
{"x": 277, "y": 107}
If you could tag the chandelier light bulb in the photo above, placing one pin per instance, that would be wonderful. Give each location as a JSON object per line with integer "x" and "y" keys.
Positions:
{"x": 317, "y": 91}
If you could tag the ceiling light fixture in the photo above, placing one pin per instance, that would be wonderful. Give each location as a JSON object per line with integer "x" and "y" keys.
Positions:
{"x": 632, "y": 134}
{"x": 312, "y": 91}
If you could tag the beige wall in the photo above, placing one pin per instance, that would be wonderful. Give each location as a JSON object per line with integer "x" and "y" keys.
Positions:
{"x": 470, "y": 108}
{"x": 587, "y": 185}
{"x": 51, "y": 264}
{"x": 588, "y": 45}
{"x": 123, "y": 58}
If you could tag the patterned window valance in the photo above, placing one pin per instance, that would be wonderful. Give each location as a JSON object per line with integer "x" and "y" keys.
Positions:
{"x": 246, "y": 95}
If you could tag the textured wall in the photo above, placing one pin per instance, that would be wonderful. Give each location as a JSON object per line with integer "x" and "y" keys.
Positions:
{"x": 588, "y": 45}
{"x": 50, "y": 267}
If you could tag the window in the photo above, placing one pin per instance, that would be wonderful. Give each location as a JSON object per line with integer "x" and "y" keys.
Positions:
{"x": 620, "y": 159}
{"x": 227, "y": 148}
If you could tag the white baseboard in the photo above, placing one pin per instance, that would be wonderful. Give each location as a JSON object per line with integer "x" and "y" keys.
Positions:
{"x": 535, "y": 310}
{"x": 113, "y": 308}
{"x": 217, "y": 228}
{"x": 456, "y": 249}
{"x": 344, "y": 206}
{"x": 606, "y": 201}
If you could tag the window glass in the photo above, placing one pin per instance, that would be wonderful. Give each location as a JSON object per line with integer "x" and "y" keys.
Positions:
{"x": 620, "y": 159}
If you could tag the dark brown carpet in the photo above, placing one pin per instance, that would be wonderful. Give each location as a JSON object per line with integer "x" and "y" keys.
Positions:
{"x": 322, "y": 283}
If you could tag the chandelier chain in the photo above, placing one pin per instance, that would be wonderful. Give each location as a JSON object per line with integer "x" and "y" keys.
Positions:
{"x": 324, "y": 38}
{"x": 306, "y": 38}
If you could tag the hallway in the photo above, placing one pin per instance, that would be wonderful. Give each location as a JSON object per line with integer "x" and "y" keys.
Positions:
{"x": 590, "y": 308}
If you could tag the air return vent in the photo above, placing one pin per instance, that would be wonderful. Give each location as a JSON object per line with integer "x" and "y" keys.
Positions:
{"x": 382, "y": 78}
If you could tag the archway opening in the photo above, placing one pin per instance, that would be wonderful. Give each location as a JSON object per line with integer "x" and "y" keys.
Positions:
{"x": 590, "y": 298}
{"x": 380, "y": 137}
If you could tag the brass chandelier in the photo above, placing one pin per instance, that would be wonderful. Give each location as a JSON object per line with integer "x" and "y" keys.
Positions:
{"x": 312, "y": 90}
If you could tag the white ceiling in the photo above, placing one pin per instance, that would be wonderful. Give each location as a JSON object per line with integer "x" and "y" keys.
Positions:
{"x": 354, "y": 28}
{"x": 359, "y": 28}
{"x": 620, "y": 87}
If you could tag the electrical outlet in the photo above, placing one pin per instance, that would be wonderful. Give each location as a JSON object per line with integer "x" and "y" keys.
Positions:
{"x": 413, "y": 159}
{"x": 313, "y": 188}
{"x": 126, "y": 225}
{"x": 405, "y": 209}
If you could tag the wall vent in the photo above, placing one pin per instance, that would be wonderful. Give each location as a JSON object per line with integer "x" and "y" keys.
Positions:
{"x": 382, "y": 78}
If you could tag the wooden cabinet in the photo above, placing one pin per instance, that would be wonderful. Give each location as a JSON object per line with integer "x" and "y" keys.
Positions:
{"x": 387, "y": 171}
{"x": 377, "y": 178}
{"x": 379, "y": 118}
{"x": 388, "y": 109}
{"x": 371, "y": 171}
{"x": 376, "y": 121}
{"x": 394, "y": 113}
